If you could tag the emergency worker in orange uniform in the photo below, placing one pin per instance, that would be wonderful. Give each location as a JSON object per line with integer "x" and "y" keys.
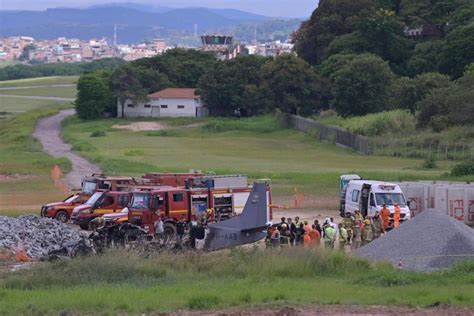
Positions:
{"x": 315, "y": 236}
{"x": 385, "y": 215}
{"x": 396, "y": 215}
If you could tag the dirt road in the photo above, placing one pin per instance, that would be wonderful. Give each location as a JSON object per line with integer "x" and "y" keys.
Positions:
{"x": 47, "y": 132}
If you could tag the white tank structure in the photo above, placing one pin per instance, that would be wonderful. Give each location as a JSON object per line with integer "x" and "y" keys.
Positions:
{"x": 455, "y": 199}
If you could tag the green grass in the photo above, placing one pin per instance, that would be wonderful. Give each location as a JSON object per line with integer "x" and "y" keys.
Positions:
{"x": 39, "y": 81}
{"x": 22, "y": 154}
{"x": 64, "y": 92}
{"x": 14, "y": 106}
{"x": 203, "y": 281}
{"x": 258, "y": 147}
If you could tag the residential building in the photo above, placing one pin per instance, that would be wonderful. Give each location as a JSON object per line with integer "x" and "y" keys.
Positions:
{"x": 170, "y": 102}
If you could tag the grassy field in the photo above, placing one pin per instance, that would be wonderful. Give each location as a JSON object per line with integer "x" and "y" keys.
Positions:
{"x": 258, "y": 147}
{"x": 64, "y": 92}
{"x": 13, "y": 106}
{"x": 25, "y": 169}
{"x": 40, "y": 81}
{"x": 206, "y": 281}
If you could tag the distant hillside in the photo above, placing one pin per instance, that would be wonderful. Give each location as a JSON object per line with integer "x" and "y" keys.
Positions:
{"x": 136, "y": 23}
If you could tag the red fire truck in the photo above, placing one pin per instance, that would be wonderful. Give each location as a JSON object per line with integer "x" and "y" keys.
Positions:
{"x": 172, "y": 204}
{"x": 62, "y": 211}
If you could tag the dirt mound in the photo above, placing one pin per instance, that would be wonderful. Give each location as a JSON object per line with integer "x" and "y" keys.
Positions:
{"x": 430, "y": 241}
{"x": 141, "y": 126}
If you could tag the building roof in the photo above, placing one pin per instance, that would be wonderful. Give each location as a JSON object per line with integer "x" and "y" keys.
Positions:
{"x": 175, "y": 93}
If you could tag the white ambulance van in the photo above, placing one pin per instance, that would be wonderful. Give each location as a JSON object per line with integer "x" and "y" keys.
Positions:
{"x": 369, "y": 196}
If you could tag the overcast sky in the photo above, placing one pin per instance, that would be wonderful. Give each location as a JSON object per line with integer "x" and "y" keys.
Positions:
{"x": 283, "y": 8}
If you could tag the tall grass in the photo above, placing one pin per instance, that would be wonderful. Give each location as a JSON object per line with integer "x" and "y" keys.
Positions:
{"x": 128, "y": 281}
{"x": 396, "y": 122}
{"x": 260, "y": 124}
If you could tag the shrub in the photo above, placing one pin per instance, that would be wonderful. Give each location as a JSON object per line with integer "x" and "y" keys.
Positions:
{"x": 135, "y": 152}
{"x": 429, "y": 163}
{"x": 98, "y": 134}
{"x": 164, "y": 133}
{"x": 463, "y": 169}
{"x": 389, "y": 122}
{"x": 83, "y": 146}
{"x": 203, "y": 302}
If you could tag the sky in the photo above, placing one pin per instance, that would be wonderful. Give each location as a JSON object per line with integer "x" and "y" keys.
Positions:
{"x": 277, "y": 8}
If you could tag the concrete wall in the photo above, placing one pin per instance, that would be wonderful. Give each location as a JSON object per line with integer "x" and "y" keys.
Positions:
{"x": 164, "y": 108}
{"x": 455, "y": 199}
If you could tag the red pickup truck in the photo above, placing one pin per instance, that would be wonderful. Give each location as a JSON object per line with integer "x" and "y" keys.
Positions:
{"x": 61, "y": 210}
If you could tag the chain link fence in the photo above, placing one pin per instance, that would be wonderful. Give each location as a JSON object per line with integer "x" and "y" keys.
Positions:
{"x": 333, "y": 134}
{"x": 438, "y": 151}
{"x": 376, "y": 146}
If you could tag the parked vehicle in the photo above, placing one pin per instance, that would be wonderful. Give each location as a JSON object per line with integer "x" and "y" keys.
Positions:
{"x": 369, "y": 196}
{"x": 100, "y": 182}
{"x": 171, "y": 204}
{"x": 100, "y": 203}
{"x": 61, "y": 210}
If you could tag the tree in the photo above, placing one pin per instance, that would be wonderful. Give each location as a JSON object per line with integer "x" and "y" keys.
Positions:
{"x": 426, "y": 57}
{"x": 294, "y": 86}
{"x": 461, "y": 100}
{"x": 433, "y": 109}
{"x": 379, "y": 34}
{"x": 330, "y": 19}
{"x": 407, "y": 92}
{"x": 451, "y": 105}
{"x": 459, "y": 50}
{"x": 92, "y": 96}
{"x": 183, "y": 67}
{"x": 362, "y": 86}
{"x": 125, "y": 86}
{"x": 152, "y": 80}
{"x": 234, "y": 84}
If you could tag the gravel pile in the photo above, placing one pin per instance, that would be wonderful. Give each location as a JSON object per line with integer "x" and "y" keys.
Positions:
{"x": 41, "y": 237}
{"x": 430, "y": 241}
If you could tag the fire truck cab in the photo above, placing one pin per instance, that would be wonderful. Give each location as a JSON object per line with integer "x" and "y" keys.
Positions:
{"x": 171, "y": 204}
{"x": 97, "y": 182}
{"x": 100, "y": 203}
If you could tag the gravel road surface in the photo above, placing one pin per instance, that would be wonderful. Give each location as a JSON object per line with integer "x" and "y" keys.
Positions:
{"x": 47, "y": 132}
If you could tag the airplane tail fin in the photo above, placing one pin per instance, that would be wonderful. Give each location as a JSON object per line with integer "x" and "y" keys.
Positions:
{"x": 254, "y": 214}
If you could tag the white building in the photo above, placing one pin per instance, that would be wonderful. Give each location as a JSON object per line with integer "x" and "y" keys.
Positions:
{"x": 170, "y": 102}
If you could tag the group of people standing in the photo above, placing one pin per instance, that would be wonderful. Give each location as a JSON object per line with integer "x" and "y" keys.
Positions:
{"x": 354, "y": 230}
{"x": 291, "y": 232}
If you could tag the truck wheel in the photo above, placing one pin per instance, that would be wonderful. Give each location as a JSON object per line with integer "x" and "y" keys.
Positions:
{"x": 62, "y": 216}
{"x": 169, "y": 230}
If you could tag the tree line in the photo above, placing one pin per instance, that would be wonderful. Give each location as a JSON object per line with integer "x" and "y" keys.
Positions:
{"x": 252, "y": 85}
{"x": 352, "y": 56}
{"x": 22, "y": 71}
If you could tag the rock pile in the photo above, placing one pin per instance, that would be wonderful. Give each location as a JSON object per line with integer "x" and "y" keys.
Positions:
{"x": 430, "y": 241}
{"x": 42, "y": 237}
